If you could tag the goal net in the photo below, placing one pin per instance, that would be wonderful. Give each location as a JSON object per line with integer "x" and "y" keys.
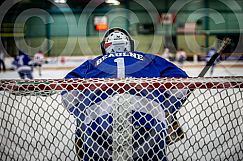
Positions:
{"x": 122, "y": 119}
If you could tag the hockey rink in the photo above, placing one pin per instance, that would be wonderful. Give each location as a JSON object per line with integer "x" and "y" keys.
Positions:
{"x": 40, "y": 128}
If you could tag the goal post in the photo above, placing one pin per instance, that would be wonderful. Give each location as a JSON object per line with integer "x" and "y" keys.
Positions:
{"x": 121, "y": 119}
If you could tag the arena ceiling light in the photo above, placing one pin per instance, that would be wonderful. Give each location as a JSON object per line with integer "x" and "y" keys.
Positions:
{"x": 60, "y": 1}
{"x": 112, "y": 2}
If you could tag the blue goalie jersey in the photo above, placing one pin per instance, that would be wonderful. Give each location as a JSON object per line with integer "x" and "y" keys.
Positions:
{"x": 126, "y": 64}
{"x": 132, "y": 64}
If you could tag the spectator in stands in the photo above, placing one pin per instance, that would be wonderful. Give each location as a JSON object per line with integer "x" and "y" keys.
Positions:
{"x": 23, "y": 65}
{"x": 2, "y": 63}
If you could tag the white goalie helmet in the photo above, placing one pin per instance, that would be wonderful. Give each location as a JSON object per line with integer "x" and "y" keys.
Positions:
{"x": 116, "y": 40}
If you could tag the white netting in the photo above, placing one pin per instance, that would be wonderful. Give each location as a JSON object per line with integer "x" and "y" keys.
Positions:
{"x": 122, "y": 119}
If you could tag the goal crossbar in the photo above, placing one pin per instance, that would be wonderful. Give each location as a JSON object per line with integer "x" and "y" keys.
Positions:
{"x": 122, "y": 84}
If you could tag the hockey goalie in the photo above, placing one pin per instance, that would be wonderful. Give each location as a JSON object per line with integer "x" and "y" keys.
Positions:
{"x": 128, "y": 125}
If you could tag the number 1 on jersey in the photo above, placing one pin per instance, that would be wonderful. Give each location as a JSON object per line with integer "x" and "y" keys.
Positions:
{"x": 120, "y": 67}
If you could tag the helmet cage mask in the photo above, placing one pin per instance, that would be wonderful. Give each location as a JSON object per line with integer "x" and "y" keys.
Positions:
{"x": 116, "y": 40}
